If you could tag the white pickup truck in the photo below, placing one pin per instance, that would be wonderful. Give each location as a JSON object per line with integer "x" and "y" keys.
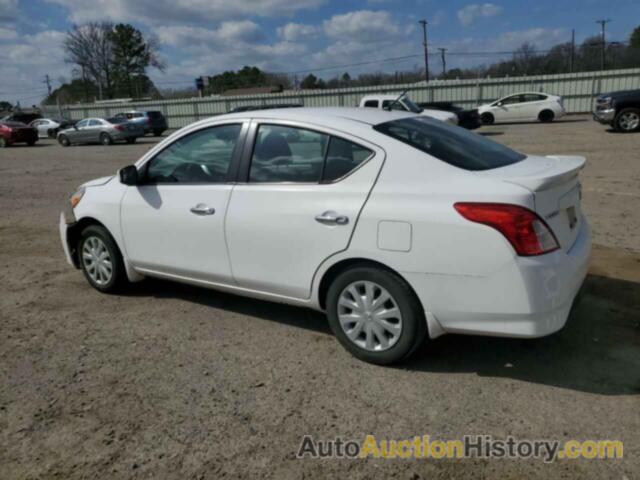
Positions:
{"x": 404, "y": 103}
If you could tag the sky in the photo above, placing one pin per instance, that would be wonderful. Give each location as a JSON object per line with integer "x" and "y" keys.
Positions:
{"x": 206, "y": 37}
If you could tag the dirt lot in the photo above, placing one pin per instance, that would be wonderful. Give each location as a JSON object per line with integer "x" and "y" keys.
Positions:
{"x": 178, "y": 382}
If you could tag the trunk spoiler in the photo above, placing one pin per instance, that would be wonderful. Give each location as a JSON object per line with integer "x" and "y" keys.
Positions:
{"x": 557, "y": 170}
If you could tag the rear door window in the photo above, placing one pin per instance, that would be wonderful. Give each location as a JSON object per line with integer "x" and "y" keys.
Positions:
{"x": 371, "y": 103}
{"x": 453, "y": 145}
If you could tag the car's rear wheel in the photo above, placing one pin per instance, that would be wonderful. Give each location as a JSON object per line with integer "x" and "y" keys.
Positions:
{"x": 546, "y": 116}
{"x": 64, "y": 140}
{"x": 105, "y": 139}
{"x": 487, "y": 118}
{"x": 101, "y": 260}
{"x": 375, "y": 315}
{"x": 628, "y": 120}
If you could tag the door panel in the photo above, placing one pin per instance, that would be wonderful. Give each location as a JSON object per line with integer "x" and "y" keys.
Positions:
{"x": 175, "y": 222}
{"x": 162, "y": 233}
{"x": 275, "y": 241}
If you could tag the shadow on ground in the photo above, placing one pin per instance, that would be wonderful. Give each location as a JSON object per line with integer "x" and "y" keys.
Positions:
{"x": 598, "y": 351}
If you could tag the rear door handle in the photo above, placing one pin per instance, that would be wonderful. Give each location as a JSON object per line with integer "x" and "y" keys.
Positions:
{"x": 332, "y": 218}
{"x": 202, "y": 209}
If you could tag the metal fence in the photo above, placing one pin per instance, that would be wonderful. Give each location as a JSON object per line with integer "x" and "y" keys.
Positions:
{"x": 578, "y": 90}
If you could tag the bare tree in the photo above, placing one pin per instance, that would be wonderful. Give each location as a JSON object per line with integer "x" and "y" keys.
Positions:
{"x": 90, "y": 47}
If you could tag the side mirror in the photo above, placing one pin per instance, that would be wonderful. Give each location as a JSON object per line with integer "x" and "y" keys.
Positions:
{"x": 129, "y": 175}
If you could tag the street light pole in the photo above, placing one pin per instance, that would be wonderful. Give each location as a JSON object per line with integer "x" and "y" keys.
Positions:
{"x": 426, "y": 49}
{"x": 444, "y": 61}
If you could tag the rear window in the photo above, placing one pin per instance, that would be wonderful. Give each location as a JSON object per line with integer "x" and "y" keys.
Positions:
{"x": 453, "y": 145}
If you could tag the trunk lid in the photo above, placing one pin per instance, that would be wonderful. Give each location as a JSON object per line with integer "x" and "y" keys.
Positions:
{"x": 553, "y": 181}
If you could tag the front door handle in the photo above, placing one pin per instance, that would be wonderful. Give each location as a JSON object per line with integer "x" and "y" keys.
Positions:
{"x": 202, "y": 209}
{"x": 332, "y": 218}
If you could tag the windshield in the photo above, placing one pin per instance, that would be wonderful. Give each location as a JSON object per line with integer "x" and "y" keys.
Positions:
{"x": 453, "y": 145}
{"x": 412, "y": 107}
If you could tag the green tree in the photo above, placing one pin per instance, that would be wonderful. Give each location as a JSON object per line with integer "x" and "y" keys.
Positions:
{"x": 309, "y": 82}
{"x": 634, "y": 40}
{"x": 5, "y": 106}
{"x": 132, "y": 55}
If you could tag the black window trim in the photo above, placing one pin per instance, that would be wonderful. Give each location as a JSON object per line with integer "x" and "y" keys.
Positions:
{"x": 252, "y": 136}
{"x": 233, "y": 165}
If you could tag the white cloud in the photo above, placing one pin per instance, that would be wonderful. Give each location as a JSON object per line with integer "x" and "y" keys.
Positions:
{"x": 7, "y": 34}
{"x": 363, "y": 26}
{"x": 24, "y": 62}
{"x": 179, "y": 11}
{"x": 473, "y": 12}
{"x": 227, "y": 33}
{"x": 292, "y": 32}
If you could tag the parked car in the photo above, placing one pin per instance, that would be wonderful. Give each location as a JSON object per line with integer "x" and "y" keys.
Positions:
{"x": 22, "y": 116}
{"x": 16, "y": 132}
{"x": 523, "y": 107}
{"x": 404, "y": 104}
{"x": 152, "y": 121}
{"x": 248, "y": 108}
{"x": 396, "y": 225}
{"x": 621, "y": 110}
{"x": 49, "y": 127}
{"x": 469, "y": 119}
{"x": 98, "y": 130}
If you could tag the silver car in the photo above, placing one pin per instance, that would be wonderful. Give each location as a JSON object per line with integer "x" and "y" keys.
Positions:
{"x": 99, "y": 130}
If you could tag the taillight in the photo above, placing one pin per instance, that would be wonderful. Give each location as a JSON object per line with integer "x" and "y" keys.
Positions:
{"x": 525, "y": 230}
{"x": 119, "y": 128}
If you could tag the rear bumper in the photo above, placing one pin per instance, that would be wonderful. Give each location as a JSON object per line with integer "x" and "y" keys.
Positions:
{"x": 605, "y": 117}
{"x": 529, "y": 297}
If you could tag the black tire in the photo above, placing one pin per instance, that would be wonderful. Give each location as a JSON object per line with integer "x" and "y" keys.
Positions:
{"x": 64, "y": 140}
{"x": 623, "y": 126}
{"x": 487, "y": 118}
{"x": 118, "y": 280}
{"x": 105, "y": 139}
{"x": 3, "y": 143}
{"x": 546, "y": 116}
{"x": 157, "y": 133}
{"x": 131, "y": 140}
{"x": 414, "y": 326}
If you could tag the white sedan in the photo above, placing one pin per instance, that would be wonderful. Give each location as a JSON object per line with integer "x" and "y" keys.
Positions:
{"x": 523, "y": 107}
{"x": 396, "y": 225}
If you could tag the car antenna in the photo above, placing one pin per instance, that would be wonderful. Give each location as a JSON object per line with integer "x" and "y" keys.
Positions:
{"x": 397, "y": 99}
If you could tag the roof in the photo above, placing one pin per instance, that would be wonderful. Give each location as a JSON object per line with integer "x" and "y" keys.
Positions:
{"x": 324, "y": 115}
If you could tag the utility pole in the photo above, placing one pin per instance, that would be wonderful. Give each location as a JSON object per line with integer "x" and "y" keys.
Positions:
{"x": 573, "y": 50}
{"x": 444, "y": 61}
{"x": 426, "y": 49}
{"x": 603, "y": 22}
{"x": 48, "y": 83}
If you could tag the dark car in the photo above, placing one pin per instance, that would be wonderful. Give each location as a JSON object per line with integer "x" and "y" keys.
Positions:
{"x": 152, "y": 121}
{"x": 621, "y": 110}
{"x": 248, "y": 108}
{"x": 21, "y": 117}
{"x": 16, "y": 132}
{"x": 469, "y": 119}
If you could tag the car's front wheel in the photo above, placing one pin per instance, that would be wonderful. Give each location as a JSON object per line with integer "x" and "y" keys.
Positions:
{"x": 375, "y": 315}
{"x": 628, "y": 120}
{"x": 64, "y": 140}
{"x": 101, "y": 260}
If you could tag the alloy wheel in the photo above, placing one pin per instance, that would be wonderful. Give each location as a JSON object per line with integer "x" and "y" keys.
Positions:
{"x": 97, "y": 260}
{"x": 629, "y": 121}
{"x": 369, "y": 316}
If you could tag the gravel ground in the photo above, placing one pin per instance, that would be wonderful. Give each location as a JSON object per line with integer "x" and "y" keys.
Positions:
{"x": 172, "y": 381}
